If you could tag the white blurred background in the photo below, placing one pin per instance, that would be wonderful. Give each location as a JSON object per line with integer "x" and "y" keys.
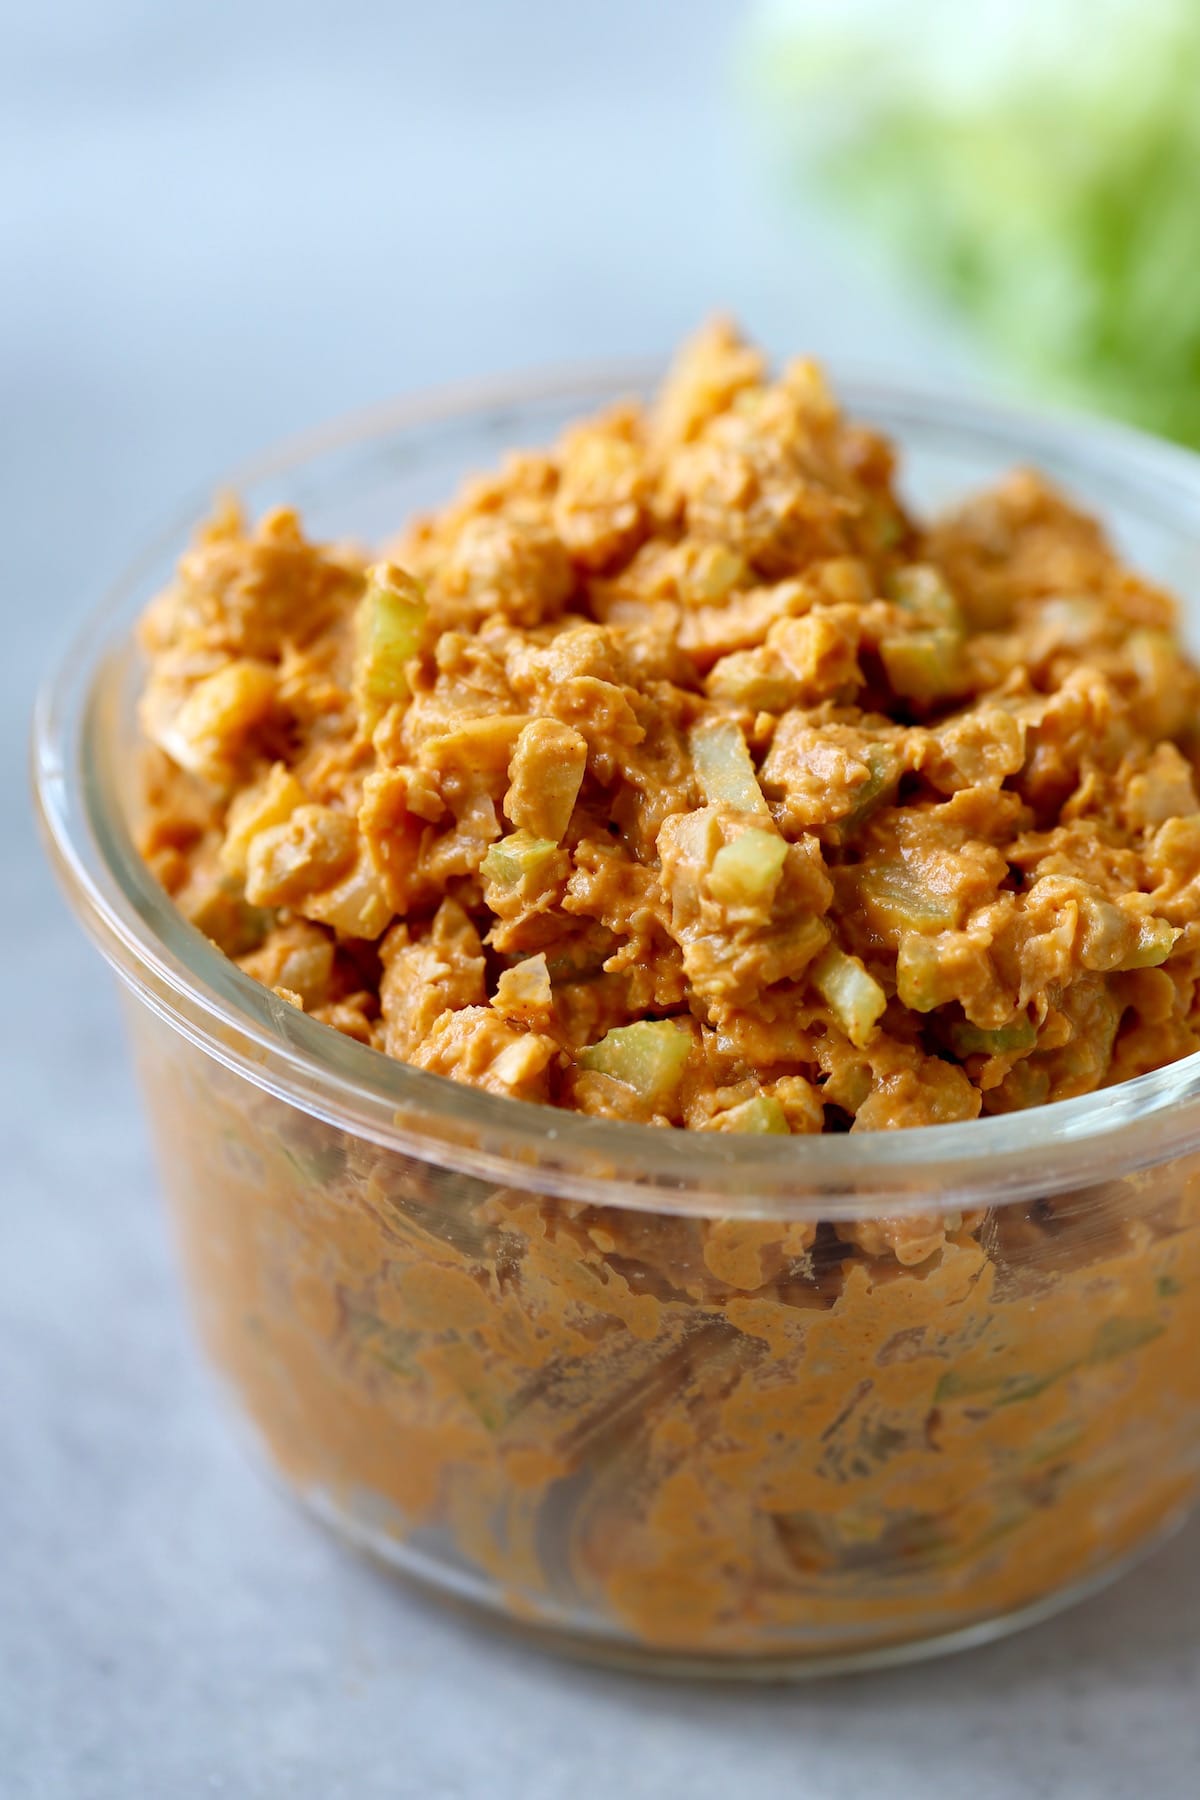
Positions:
{"x": 224, "y": 219}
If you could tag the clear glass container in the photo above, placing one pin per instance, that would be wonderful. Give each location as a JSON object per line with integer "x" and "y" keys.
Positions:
{"x": 632, "y": 1389}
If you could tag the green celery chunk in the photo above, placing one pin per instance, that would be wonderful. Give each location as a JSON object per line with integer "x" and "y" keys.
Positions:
{"x": 923, "y": 665}
{"x": 392, "y": 625}
{"x": 958, "y": 1384}
{"x": 855, "y": 998}
{"x": 921, "y": 589}
{"x": 1030, "y": 1386}
{"x": 1004, "y": 1390}
{"x": 899, "y": 900}
{"x": 1114, "y": 1337}
{"x": 879, "y": 786}
{"x": 518, "y": 859}
{"x": 1118, "y": 1337}
{"x": 887, "y": 528}
{"x": 763, "y": 1114}
{"x": 971, "y": 1040}
{"x": 649, "y": 1057}
{"x": 746, "y": 872}
{"x": 918, "y": 972}
{"x": 724, "y": 767}
{"x": 226, "y": 916}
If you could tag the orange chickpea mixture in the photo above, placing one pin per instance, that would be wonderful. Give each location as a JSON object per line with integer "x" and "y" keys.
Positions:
{"x": 678, "y": 774}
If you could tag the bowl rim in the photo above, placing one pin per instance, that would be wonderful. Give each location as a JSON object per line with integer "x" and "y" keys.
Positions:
{"x": 174, "y": 969}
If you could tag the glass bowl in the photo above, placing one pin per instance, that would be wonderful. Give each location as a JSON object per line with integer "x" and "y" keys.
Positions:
{"x": 635, "y": 1390}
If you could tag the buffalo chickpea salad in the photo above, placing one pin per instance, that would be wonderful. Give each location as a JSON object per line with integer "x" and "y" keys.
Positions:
{"x": 679, "y": 774}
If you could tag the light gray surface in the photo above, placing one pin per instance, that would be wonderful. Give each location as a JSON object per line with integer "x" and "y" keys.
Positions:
{"x": 219, "y": 224}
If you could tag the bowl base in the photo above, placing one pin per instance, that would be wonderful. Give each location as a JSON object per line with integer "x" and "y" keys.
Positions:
{"x": 486, "y": 1606}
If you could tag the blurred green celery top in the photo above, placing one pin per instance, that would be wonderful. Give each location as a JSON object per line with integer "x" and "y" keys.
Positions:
{"x": 1044, "y": 174}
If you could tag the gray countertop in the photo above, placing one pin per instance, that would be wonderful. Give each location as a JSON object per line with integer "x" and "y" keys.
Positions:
{"x": 223, "y": 223}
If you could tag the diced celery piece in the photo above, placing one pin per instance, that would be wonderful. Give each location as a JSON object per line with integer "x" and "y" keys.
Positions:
{"x": 1028, "y": 1387}
{"x": 855, "y": 998}
{"x": 921, "y": 589}
{"x": 649, "y": 1057}
{"x": 1118, "y": 1337}
{"x": 763, "y": 1114}
{"x": 1156, "y": 940}
{"x": 966, "y": 1384}
{"x": 746, "y": 872}
{"x": 897, "y": 898}
{"x": 1005, "y": 1390}
{"x": 518, "y": 859}
{"x": 884, "y": 767}
{"x": 923, "y": 665}
{"x": 971, "y": 1040}
{"x": 887, "y": 528}
{"x": 226, "y": 916}
{"x": 393, "y": 619}
{"x": 918, "y": 970}
{"x": 724, "y": 767}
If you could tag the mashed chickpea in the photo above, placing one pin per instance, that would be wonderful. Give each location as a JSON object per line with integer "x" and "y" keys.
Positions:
{"x": 679, "y": 775}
